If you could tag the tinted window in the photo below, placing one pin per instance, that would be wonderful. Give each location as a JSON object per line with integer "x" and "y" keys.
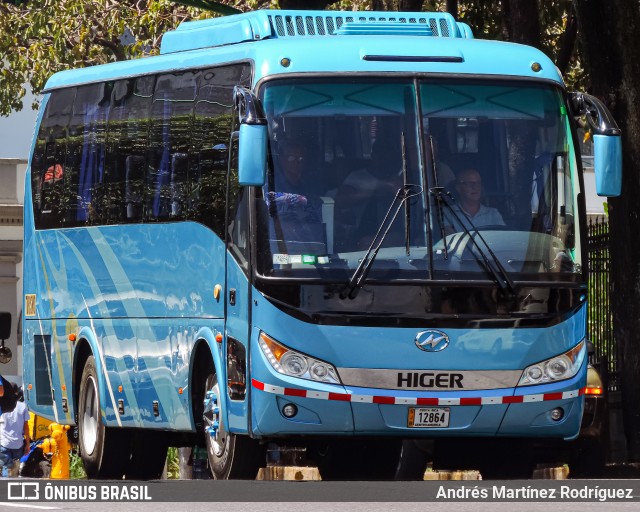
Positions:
{"x": 126, "y": 149}
{"x": 85, "y": 155}
{"x": 169, "y": 143}
{"x": 144, "y": 149}
{"x": 49, "y": 161}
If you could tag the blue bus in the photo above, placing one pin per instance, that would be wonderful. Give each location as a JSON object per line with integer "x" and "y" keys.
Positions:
{"x": 348, "y": 232}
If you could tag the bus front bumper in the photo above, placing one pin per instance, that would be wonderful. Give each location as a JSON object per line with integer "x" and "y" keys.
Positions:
{"x": 550, "y": 410}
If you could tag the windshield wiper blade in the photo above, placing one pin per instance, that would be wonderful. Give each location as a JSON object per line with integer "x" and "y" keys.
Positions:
{"x": 360, "y": 274}
{"x": 407, "y": 204}
{"x": 436, "y": 191}
{"x": 498, "y": 272}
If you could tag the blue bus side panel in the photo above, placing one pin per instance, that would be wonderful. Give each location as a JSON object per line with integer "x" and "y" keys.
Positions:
{"x": 144, "y": 292}
{"x": 237, "y": 327}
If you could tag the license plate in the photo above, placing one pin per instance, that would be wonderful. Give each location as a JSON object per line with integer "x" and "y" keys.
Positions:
{"x": 428, "y": 417}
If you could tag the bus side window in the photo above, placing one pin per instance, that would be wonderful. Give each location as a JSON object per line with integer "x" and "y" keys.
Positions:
{"x": 170, "y": 134}
{"x": 238, "y": 229}
{"x": 210, "y": 144}
{"x": 85, "y": 162}
{"x": 48, "y": 182}
{"x": 134, "y": 189}
{"x": 179, "y": 177}
{"x": 127, "y": 148}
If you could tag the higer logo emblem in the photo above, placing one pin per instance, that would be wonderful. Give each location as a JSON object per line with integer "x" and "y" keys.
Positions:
{"x": 432, "y": 341}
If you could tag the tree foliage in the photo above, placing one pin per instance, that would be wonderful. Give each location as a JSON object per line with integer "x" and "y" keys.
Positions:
{"x": 41, "y": 37}
{"x": 609, "y": 37}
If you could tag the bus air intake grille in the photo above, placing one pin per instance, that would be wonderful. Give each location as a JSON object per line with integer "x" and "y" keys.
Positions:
{"x": 257, "y": 25}
{"x": 292, "y": 24}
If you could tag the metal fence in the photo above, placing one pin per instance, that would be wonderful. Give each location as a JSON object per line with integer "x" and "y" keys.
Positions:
{"x": 600, "y": 317}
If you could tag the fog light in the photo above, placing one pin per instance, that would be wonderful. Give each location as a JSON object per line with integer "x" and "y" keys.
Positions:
{"x": 289, "y": 411}
{"x": 557, "y": 414}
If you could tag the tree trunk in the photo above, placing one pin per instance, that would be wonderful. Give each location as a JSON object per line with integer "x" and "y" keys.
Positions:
{"x": 397, "y": 5}
{"x": 567, "y": 41}
{"x": 452, "y": 8}
{"x": 521, "y": 22}
{"x": 308, "y": 5}
{"x": 608, "y": 32}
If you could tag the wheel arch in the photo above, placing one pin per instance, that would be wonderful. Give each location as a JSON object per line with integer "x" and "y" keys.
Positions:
{"x": 85, "y": 347}
{"x": 206, "y": 355}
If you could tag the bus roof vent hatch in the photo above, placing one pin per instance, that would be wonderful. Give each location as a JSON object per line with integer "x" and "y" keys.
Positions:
{"x": 274, "y": 24}
{"x": 327, "y": 23}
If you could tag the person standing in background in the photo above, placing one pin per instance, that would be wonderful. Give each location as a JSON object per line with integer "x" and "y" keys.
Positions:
{"x": 15, "y": 440}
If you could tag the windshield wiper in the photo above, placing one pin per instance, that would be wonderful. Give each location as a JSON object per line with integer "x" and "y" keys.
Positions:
{"x": 407, "y": 204}
{"x": 434, "y": 178}
{"x": 360, "y": 275}
{"x": 497, "y": 270}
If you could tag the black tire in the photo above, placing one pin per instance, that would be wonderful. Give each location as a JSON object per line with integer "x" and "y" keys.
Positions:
{"x": 148, "y": 455}
{"x": 355, "y": 459}
{"x": 588, "y": 459}
{"x": 413, "y": 461}
{"x": 104, "y": 451}
{"x": 230, "y": 456}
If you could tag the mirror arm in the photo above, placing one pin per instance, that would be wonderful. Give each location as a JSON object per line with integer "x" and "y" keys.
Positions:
{"x": 597, "y": 114}
{"x": 248, "y": 106}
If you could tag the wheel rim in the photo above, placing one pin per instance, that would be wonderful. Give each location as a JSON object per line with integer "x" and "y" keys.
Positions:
{"x": 217, "y": 443}
{"x": 89, "y": 421}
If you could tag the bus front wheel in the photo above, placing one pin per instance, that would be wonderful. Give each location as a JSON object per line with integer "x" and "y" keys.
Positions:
{"x": 230, "y": 456}
{"x": 104, "y": 450}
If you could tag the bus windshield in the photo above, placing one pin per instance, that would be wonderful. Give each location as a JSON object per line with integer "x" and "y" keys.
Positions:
{"x": 490, "y": 165}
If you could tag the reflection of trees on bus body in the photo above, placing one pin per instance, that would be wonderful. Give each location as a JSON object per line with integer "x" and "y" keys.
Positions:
{"x": 144, "y": 149}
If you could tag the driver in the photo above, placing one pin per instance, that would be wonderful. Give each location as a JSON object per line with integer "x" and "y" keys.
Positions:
{"x": 468, "y": 185}
{"x": 294, "y": 205}
{"x": 295, "y": 197}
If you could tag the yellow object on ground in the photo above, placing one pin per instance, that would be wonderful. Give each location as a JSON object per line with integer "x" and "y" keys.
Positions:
{"x": 38, "y": 427}
{"x": 58, "y": 446}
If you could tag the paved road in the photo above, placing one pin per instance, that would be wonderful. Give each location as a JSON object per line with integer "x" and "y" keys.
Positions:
{"x": 344, "y": 496}
{"x": 326, "y": 507}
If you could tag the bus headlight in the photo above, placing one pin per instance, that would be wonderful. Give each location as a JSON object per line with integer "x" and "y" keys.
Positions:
{"x": 295, "y": 364}
{"x": 560, "y": 367}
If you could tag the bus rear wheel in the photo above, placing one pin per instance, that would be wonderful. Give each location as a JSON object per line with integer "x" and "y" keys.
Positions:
{"x": 104, "y": 451}
{"x": 230, "y": 456}
{"x": 148, "y": 455}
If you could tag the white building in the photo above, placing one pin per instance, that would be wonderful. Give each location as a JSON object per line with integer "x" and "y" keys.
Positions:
{"x": 12, "y": 172}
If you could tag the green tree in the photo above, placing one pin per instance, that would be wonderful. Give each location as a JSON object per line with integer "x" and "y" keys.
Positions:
{"x": 608, "y": 33}
{"x": 41, "y": 37}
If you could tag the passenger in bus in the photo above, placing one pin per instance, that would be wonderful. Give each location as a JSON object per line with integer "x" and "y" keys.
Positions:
{"x": 364, "y": 198}
{"x": 468, "y": 186}
{"x": 295, "y": 201}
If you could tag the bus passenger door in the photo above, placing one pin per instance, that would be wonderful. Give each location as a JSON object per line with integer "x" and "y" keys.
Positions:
{"x": 237, "y": 328}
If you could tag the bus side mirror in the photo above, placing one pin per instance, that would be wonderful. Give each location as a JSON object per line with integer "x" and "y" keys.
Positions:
{"x": 252, "y": 139}
{"x": 5, "y": 332}
{"x": 607, "y": 143}
{"x": 607, "y": 164}
{"x": 252, "y": 154}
